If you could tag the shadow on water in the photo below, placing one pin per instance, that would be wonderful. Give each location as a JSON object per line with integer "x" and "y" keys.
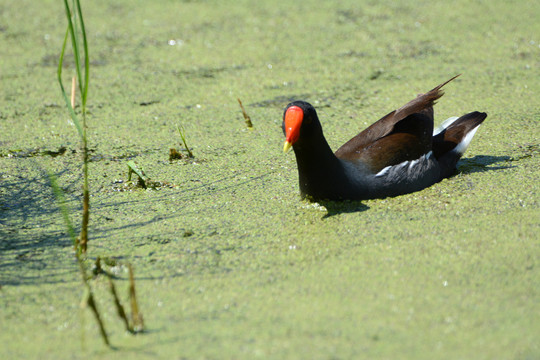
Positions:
{"x": 481, "y": 163}
{"x": 23, "y": 211}
{"x": 341, "y": 207}
{"x": 28, "y": 230}
{"x": 34, "y": 245}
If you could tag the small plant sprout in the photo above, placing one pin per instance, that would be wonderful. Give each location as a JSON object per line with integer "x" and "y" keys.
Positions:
{"x": 182, "y": 133}
{"x": 142, "y": 179}
{"x": 249, "y": 124}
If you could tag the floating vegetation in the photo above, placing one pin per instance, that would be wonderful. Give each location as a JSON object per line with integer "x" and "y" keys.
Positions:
{"x": 206, "y": 72}
{"x": 280, "y": 101}
{"x": 174, "y": 155}
{"x": 19, "y": 153}
{"x": 376, "y": 74}
{"x": 148, "y": 103}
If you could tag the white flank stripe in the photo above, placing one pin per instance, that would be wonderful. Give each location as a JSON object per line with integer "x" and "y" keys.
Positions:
{"x": 409, "y": 163}
{"x": 383, "y": 171}
{"x": 412, "y": 163}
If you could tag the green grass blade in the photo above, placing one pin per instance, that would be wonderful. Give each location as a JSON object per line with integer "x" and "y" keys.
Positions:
{"x": 84, "y": 87}
{"x": 74, "y": 43}
{"x": 66, "y": 99}
{"x": 133, "y": 167}
{"x": 182, "y": 133}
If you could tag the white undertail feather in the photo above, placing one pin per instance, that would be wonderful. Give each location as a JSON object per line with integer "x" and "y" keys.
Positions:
{"x": 464, "y": 144}
{"x": 459, "y": 149}
{"x": 446, "y": 123}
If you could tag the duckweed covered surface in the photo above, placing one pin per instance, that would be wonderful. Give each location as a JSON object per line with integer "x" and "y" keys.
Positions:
{"x": 230, "y": 262}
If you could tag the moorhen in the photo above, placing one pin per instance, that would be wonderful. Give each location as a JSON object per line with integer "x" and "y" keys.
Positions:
{"x": 401, "y": 153}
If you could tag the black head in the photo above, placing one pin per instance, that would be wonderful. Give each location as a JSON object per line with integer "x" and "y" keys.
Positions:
{"x": 300, "y": 123}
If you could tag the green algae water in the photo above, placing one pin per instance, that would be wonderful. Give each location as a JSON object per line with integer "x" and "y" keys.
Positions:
{"x": 229, "y": 262}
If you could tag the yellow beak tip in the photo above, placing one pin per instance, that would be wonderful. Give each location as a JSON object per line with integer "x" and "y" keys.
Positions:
{"x": 287, "y": 146}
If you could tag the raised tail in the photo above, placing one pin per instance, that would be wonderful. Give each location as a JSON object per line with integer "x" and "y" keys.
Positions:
{"x": 451, "y": 139}
{"x": 422, "y": 102}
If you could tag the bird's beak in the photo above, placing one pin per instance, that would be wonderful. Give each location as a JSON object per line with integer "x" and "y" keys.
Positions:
{"x": 293, "y": 121}
{"x": 287, "y": 146}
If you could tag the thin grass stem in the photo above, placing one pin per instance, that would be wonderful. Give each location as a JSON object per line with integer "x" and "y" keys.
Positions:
{"x": 182, "y": 133}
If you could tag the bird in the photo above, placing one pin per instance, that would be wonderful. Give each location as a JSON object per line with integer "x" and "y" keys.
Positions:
{"x": 400, "y": 153}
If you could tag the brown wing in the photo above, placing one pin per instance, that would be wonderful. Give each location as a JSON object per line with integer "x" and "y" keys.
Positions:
{"x": 404, "y": 134}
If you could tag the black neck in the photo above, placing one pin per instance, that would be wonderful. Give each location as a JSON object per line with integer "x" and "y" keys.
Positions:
{"x": 321, "y": 173}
